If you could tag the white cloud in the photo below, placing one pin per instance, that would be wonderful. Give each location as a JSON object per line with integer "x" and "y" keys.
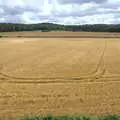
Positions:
{"x": 60, "y": 11}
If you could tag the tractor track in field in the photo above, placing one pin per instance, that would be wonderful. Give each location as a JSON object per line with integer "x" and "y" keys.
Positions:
{"x": 48, "y": 80}
{"x": 6, "y": 77}
{"x": 100, "y": 69}
{"x": 98, "y": 75}
{"x": 63, "y": 81}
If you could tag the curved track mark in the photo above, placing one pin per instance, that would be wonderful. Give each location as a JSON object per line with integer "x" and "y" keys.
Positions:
{"x": 100, "y": 69}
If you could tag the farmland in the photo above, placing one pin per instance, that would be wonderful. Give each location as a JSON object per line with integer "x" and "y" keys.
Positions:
{"x": 59, "y": 75}
{"x": 62, "y": 33}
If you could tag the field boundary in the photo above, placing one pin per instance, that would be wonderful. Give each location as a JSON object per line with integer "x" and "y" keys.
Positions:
{"x": 59, "y": 37}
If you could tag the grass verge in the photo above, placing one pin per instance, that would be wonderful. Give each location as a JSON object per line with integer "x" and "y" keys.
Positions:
{"x": 72, "y": 117}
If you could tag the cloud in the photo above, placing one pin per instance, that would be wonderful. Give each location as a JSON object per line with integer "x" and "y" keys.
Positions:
{"x": 81, "y": 1}
{"x": 60, "y": 11}
{"x": 13, "y": 14}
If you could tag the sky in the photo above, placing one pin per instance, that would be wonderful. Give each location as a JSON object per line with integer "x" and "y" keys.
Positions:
{"x": 67, "y": 12}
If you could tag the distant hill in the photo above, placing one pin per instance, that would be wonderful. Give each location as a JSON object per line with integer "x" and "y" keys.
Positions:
{"x": 45, "y": 27}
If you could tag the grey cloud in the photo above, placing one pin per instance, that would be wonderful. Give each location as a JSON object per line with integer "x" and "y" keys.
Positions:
{"x": 81, "y": 1}
{"x": 13, "y": 14}
{"x": 90, "y": 12}
{"x": 46, "y": 18}
{"x": 15, "y": 19}
{"x": 111, "y": 6}
{"x": 60, "y": 14}
{"x": 17, "y": 10}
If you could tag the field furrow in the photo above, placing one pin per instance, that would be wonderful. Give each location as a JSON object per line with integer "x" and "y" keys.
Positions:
{"x": 59, "y": 76}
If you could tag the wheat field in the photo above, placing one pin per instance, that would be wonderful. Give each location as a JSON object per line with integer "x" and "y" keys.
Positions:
{"x": 59, "y": 76}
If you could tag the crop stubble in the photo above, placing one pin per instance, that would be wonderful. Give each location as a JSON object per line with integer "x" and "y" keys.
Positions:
{"x": 59, "y": 76}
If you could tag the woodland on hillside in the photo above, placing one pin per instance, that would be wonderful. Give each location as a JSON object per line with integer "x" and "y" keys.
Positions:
{"x": 46, "y": 27}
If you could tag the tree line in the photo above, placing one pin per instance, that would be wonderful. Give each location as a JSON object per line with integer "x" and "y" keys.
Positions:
{"x": 46, "y": 27}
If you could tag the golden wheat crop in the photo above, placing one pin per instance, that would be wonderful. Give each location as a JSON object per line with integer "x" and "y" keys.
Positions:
{"x": 59, "y": 76}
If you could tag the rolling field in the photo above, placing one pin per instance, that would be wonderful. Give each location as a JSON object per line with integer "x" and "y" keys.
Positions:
{"x": 59, "y": 76}
{"x": 57, "y": 34}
